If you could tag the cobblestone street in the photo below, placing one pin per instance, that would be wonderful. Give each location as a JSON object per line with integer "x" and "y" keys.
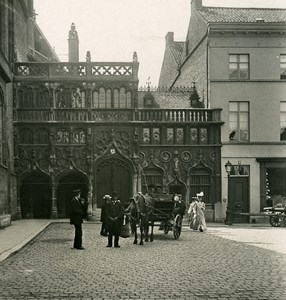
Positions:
{"x": 196, "y": 266}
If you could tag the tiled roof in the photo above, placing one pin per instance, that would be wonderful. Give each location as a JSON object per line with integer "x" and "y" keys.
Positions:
{"x": 177, "y": 51}
{"x": 167, "y": 99}
{"x": 243, "y": 15}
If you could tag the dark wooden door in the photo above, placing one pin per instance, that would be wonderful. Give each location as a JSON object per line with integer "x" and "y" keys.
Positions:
{"x": 239, "y": 198}
{"x": 113, "y": 175}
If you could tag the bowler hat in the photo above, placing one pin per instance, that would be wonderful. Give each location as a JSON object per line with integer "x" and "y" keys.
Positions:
{"x": 114, "y": 194}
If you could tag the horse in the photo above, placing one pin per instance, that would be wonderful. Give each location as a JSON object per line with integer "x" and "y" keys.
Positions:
{"x": 140, "y": 210}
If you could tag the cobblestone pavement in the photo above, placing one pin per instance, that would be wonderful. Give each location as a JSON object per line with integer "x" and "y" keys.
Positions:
{"x": 196, "y": 266}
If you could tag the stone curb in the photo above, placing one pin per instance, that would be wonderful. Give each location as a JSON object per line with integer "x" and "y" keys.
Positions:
{"x": 20, "y": 245}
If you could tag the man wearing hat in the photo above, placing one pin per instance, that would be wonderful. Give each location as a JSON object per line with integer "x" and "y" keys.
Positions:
{"x": 76, "y": 219}
{"x": 103, "y": 218}
{"x": 179, "y": 206}
{"x": 114, "y": 216}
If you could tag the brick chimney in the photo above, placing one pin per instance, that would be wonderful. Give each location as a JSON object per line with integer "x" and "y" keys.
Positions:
{"x": 73, "y": 44}
{"x": 196, "y": 4}
{"x": 169, "y": 38}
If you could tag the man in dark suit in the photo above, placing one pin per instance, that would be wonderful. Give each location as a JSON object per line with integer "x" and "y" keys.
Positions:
{"x": 76, "y": 219}
{"x": 114, "y": 216}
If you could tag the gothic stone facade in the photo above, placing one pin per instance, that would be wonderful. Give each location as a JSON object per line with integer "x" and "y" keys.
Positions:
{"x": 86, "y": 125}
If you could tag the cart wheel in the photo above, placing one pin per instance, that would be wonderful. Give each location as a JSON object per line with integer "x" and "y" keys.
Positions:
{"x": 275, "y": 221}
{"x": 166, "y": 227}
{"x": 177, "y": 228}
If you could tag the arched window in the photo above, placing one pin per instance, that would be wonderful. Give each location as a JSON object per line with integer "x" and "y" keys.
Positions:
{"x": 63, "y": 96}
{"x": 101, "y": 97}
{"x": 108, "y": 98}
{"x": 26, "y": 97}
{"x": 152, "y": 179}
{"x": 115, "y": 98}
{"x": 77, "y": 98}
{"x": 122, "y": 98}
{"x": 95, "y": 99}
{"x": 41, "y": 97}
{"x": 128, "y": 99}
{"x": 26, "y": 136}
{"x": 200, "y": 181}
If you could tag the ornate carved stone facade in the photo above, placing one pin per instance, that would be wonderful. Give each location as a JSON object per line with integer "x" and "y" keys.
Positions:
{"x": 85, "y": 127}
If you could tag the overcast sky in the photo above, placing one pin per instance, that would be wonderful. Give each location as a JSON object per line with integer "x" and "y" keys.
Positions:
{"x": 113, "y": 29}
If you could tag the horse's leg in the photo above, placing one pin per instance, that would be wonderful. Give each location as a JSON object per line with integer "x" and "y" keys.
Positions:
{"x": 141, "y": 232}
{"x": 146, "y": 230}
{"x": 134, "y": 230}
{"x": 152, "y": 232}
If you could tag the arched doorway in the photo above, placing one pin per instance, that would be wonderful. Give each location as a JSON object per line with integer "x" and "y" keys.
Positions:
{"x": 35, "y": 195}
{"x": 113, "y": 174}
{"x": 66, "y": 184}
{"x": 176, "y": 186}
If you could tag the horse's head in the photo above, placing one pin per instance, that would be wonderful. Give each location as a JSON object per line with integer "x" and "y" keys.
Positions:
{"x": 140, "y": 202}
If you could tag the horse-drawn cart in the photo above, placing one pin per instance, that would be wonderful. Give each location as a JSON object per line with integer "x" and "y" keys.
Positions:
{"x": 164, "y": 215}
{"x": 277, "y": 215}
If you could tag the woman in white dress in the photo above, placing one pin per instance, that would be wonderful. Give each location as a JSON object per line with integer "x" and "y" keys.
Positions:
{"x": 196, "y": 213}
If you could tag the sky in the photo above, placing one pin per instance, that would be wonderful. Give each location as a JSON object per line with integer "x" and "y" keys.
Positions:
{"x": 113, "y": 29}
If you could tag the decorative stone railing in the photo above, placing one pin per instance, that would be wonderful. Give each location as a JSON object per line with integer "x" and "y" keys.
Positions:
{"x": 179, "y": 115}
{"x": 85, "y": 70}
{"x": 116, "y": 115}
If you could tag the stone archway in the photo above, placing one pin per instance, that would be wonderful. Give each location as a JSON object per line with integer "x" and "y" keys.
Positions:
{"x": 66, "y": 184}
{"x": 35, "y": 195}
{"x": 113, "y": 174}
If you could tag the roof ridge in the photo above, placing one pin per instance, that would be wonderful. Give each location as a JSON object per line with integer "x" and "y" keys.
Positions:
{"x": 247, "y": 8}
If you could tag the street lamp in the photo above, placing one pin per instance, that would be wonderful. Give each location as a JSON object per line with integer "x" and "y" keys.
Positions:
{"x": 228, "y": 219}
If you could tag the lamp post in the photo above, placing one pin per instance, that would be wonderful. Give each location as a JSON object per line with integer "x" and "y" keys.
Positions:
{"x": 228, "y": 219}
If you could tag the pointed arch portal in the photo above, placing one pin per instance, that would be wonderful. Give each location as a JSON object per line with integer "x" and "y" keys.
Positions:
{"x": 113, "y": 174}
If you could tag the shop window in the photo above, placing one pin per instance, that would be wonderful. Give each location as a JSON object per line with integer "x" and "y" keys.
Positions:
{"x": 239, "y": 66}
{"x": 283, "y": 66}
{"x": 239, "y": 121}
{"x": 282, "y": 121}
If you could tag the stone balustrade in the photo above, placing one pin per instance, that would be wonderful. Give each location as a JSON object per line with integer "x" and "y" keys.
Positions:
{"x": 116, "y": 115}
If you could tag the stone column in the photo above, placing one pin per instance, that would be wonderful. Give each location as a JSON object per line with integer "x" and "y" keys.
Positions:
{"x": 54, "y": 208}
{"x": 19, "y": 211}
{"x": 90, "y": 215}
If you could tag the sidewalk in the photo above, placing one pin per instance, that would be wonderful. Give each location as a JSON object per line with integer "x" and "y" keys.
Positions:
{"x": 18, "y": 234}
